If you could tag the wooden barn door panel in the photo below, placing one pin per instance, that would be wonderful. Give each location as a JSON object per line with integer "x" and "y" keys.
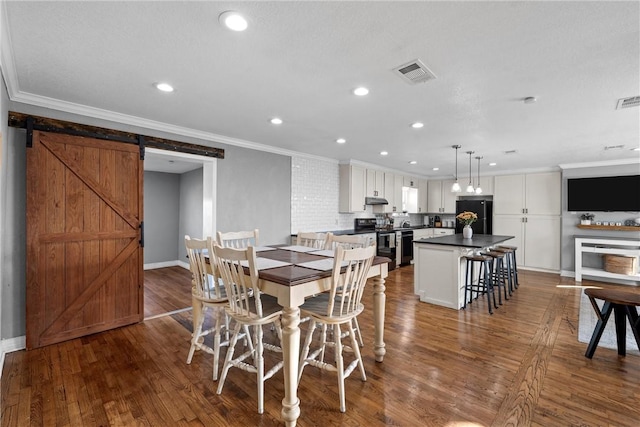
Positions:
{"x": 84, "y": 260}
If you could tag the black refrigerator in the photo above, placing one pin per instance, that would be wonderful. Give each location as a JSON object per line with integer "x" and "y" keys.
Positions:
{"x": 484, "y": 209}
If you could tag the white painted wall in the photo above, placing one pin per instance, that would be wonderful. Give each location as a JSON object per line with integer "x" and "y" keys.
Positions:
{"x": 315, "y": 188}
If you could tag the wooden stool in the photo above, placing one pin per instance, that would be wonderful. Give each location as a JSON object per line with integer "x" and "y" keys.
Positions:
{"x": 499, "y": 276}
{"x": 484, "y": 284}
{"x": 514, "y": 264}
{"x": 623, "y": 304}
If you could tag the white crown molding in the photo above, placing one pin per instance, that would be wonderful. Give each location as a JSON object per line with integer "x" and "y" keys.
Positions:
{"x": 603, "y": 163}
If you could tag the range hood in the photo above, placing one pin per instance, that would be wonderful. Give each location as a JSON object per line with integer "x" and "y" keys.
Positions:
{"x": 375, "y": 201}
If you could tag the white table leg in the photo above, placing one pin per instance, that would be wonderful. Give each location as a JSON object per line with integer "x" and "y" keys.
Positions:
{"x": 290, "y": 353}
{"x": 379, "y": 300}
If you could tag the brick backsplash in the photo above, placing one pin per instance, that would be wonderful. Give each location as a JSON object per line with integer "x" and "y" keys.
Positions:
{"x": 315, "y": 190}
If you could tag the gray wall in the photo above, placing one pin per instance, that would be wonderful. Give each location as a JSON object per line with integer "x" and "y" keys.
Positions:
{"x": 161, "y": 216}
{"x": 570, "y": 220}
{"x": 190, "y": 220}
{"x": 254, "y": 190}
{"x": 12, "y": 205}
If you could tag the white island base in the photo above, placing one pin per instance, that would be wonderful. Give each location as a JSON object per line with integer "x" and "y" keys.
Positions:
{"x": 439, "y": 267}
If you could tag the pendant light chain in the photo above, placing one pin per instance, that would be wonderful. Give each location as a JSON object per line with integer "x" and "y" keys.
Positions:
{"x": 470, "y": 188}
{"x": 455, "y": 188}
{"x": 478, "y": 188}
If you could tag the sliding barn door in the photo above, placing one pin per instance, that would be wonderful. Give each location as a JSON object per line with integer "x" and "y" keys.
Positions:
{"x": 84, "y": 257}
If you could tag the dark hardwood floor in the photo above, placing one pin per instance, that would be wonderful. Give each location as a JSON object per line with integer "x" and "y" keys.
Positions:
{"x": 522, "y": 366}
{"x": 166, "y": 290}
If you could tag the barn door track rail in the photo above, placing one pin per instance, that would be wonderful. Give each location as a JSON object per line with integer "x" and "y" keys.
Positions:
{"x": 31, "y": 123}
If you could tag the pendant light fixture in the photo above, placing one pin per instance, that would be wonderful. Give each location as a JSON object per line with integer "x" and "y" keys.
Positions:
{"x": 470, "y": 188}
{"x": 455, "y": 188}
{"x": 478, "y": 188}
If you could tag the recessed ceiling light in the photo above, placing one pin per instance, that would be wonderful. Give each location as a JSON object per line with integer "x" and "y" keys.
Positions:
{"x": 492, "y": 164}
{"x": 383, "y": 153}
{"x": 341, "y": 140}
{"x": 233, "y": 21}
{"x": 436, "y": 169}
{"x": 417, "y": 125}
{"x": 413, "y": 162}
{"x": 276, "y": 121}
{"x": 361, "y": 91}
{"x": 164, "y": 87}
{"x": 530, "y": 100}
{"x": 636, "y": 149}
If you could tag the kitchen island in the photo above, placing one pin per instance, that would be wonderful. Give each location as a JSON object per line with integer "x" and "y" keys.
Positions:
{"x": 439, "y": 269}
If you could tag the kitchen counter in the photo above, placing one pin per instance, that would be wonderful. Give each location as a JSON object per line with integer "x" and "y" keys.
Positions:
{"x": 478, "y": 241}
{"x": 352, "y": 231}
{"x": 439, "y": 266}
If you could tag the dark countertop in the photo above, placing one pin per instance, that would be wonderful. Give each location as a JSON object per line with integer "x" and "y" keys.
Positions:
{"x": 478, "y": 240}
{"x": 352, "y": 231}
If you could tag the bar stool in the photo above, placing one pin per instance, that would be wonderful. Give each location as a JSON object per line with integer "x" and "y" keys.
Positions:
{"x": 484, "y": 285}
{"x": 508, "y": 261}
{"x": 499, "y": 273}
{"x": 514, "y": 264}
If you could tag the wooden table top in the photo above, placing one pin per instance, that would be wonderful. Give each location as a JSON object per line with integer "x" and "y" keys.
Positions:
{"x": 615, "y": 296}
{"x": 291, "y": 275}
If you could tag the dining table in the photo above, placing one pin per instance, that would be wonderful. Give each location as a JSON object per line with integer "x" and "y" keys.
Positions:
{"x": 293, "y": 273}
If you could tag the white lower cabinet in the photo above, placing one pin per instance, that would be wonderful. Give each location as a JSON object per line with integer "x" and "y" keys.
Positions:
{"x": 439, "y": 232}
{"x": 422, "y": 233}
{"x": 537, "y": 238}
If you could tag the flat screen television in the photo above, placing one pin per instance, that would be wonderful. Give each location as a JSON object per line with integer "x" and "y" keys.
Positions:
{"x": 604, "y": 194}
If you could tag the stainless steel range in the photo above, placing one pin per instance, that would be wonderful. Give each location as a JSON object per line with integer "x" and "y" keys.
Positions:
{"x": 386, "y": 239}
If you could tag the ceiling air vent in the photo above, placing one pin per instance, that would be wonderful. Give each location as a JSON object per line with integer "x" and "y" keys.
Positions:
{"x": 415, "y": 72}
{"x": 634, "y": 101}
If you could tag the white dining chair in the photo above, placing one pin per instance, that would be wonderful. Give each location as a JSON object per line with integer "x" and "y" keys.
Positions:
{"x": 250, "y": 309}
{"x": 338, "y": 307}
{"x": 238, "y": 239}
{"x": 350, "y": 241}
{"x": 207, "y": 292}
{"x": 311, "y": 239}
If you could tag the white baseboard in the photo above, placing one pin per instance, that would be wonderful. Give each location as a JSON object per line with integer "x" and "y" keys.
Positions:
{"x": 567, "y": 273}
{"x": 10, "y": 345}
{"x": 174, "y": 263}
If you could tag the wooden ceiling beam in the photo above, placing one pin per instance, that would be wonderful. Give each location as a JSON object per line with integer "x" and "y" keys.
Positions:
{"x": 30, "y": 122}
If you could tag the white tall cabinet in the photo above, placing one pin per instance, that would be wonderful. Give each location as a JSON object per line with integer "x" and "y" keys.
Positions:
{"x": 352, "y": 188}
{"x": 528, "y": 206}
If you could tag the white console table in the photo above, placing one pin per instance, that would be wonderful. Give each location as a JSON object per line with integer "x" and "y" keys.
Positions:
{"x": 605, "y": 245}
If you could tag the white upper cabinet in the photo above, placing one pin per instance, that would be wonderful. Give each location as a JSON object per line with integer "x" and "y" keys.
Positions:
{"x": 543, "y": 194}
{"x": 508, "y": 197}
{"x": 440, "y": 199}
{"x": 398, "y": 182}
{"x": 486, "y": 183}
{"x": 352, "y": 188}
{"x": 530, "y": 194}
{"x": 375, "y": 183}
{"x": 409, "y": 181}
{"x": 423, "y": 196}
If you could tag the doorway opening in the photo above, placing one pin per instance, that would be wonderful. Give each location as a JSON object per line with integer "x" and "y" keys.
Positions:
{"x": 179, "y": 199}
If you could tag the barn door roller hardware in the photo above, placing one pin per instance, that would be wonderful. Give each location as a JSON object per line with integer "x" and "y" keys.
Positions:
{"x": 31, "y": 123}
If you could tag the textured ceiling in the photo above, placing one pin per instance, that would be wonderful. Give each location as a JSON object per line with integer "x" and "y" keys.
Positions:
{"x": 301, "y": 60}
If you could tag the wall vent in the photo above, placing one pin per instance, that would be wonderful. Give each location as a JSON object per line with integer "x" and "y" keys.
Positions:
{"x": 415, "y": 72}
{"x": 634, "y": 101}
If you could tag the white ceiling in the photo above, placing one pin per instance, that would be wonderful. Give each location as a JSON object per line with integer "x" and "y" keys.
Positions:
{"x": 301, "y": 60}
